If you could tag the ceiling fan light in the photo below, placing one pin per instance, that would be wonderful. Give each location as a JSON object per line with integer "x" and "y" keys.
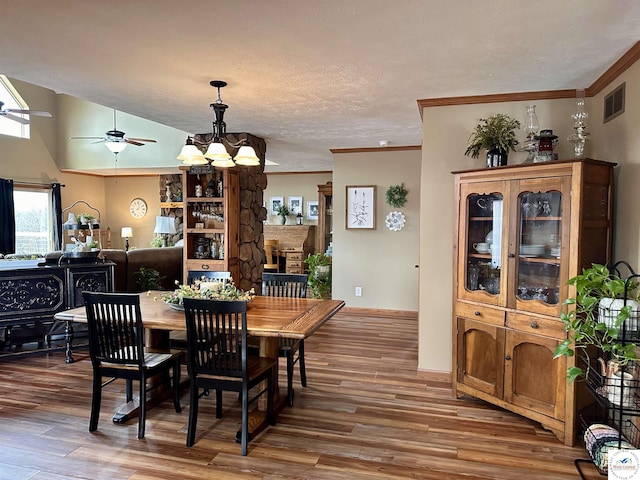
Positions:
{"x": 216, "y": 151}
{"x": 115, "y": 147}
{"x": 190, "y": 155}
{"x": 247, "y": 156}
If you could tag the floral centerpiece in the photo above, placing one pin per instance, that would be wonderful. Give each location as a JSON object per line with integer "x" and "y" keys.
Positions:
{"x": 207, "y": 290}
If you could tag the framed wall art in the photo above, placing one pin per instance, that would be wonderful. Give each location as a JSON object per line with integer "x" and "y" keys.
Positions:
{"x": 361, "y": 207}
{"x": 275, "y": 203}
{"x": 312, "y": 210}
{"x": 295, "y": 205}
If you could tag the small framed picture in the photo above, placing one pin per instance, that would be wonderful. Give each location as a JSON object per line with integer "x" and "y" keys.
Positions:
{"x": 200, "y": 225}
{"x": 276, "y": 203}
{"x": 361, "y": 207}
{"x": 295, "y": 205}
{"x": 312, "y": 210}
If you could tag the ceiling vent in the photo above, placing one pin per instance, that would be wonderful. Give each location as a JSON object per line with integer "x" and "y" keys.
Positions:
{"x": 614, "y": 103}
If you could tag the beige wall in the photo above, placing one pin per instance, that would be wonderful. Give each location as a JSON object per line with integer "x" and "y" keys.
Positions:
{"x": 305, "y": 185}
{"x": 81, "y": 118}
{"x": 119, "y": 193}
{"x": 445, "y": 134}
{"x": 618, "y": 141}
{"x": 40, "y": 158}
{"x": 380, "y": 261}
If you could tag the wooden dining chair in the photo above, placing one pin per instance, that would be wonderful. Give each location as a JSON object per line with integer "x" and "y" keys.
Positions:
{"x": 289, "y": 285}
{"x": 116, "y": 348}
{"x": 272, "y": 256}
{"x": 217, "y": 359}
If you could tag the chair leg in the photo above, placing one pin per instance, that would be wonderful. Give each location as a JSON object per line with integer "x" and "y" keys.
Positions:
{"x": 176, "y": 385}
{"x": 129, "y": 390}
{"x": 301, "y": 364}
{"x": 218, "y": 403}
{"x": 96, "y": 400}
{"x": 143, "y": 406}
{"x": 271, "y": 418}
{"x": 290, "y": 377}
{"x": 193, "y": 415}
{"x": 244, "y": 436}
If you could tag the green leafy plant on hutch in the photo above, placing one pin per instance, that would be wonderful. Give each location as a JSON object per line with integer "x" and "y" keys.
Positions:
{"x": 319, "y": 281}
{"x": 591, "y": 320}
{"x": 495, "y": 132}
{"x": 396, "y": 195}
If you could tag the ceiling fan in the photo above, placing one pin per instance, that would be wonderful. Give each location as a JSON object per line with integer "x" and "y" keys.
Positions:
{"x": 9, "y": 113}
{"x": 115, "y": 140}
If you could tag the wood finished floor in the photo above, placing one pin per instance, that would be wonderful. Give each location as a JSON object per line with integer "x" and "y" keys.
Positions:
{"x": 366, "y": 414}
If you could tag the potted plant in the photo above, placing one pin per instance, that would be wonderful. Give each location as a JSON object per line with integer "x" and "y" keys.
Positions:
{"x": 319, "y": 281}
{"x": 602, "y": 305}
{"x": 283, "y": 211}
{"x": 495, "y": 134}
{"x": 148, "y": 278}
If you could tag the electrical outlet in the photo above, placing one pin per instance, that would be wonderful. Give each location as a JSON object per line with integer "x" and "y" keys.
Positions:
{"x": 358, "y": 291}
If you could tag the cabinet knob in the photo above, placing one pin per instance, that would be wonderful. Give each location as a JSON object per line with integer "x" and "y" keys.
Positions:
{"x": 507, "y": 357}
{"x": 511, "y": 255}
{"x": 477, "y": 313}
{"x": 534, "y": 324}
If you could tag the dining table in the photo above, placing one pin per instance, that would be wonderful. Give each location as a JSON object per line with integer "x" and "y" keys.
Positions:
{"x": 268, "y": 318}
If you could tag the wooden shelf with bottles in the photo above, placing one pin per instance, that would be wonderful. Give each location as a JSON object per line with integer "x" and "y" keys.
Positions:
{"x": 537, "y": 225}
{"x": 211, "y": 205}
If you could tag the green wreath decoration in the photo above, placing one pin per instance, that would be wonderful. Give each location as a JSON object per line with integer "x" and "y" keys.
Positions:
{"x": 397, "y": 195}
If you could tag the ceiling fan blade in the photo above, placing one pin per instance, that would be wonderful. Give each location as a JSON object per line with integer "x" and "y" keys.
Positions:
{"x": 21, "y": 120}
{"x": 87, "y": 138}
{"x": 39, "y": 113}
{"x": 141, "y": 139}
{"x": 133, "y": 142}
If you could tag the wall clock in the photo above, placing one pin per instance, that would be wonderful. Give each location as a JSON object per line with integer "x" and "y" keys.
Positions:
{"x": 138, "y": 208}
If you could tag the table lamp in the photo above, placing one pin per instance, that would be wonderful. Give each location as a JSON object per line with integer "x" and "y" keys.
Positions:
{"x": 126, "y": 233}
{"x": 165, "y": 226}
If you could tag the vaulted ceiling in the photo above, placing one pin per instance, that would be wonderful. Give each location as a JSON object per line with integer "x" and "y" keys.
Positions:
{"x": 309, "y": 75}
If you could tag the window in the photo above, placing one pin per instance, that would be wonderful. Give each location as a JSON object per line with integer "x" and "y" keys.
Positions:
{"x": 12, "y": 99}
{"x": 34, "y": 220}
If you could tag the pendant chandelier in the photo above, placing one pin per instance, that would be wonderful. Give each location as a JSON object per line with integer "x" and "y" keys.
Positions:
{"x": 217, "y": 152}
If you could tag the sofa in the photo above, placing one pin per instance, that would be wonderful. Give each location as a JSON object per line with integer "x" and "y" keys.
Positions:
{"x": 167, "y": 261}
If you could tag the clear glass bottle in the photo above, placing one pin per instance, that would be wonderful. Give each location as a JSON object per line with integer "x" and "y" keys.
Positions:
{"x": 531, "y": 127}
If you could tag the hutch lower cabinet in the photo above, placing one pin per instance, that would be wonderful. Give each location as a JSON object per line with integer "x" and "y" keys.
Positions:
{"x": 522, "y": 232}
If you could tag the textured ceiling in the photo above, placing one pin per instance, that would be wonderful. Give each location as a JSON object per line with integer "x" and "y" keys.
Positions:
{"x": 309, "y": 75}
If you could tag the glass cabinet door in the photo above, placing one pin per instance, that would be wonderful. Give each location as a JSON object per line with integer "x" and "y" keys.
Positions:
{"x": 481, "y": 243}
{"x": 539, "y": 249}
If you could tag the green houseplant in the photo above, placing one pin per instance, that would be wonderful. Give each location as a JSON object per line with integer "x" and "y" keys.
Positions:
{"x": 283, "y": 211}
{"x": 319, "y": 281}
{"x": 597, "y": 316}
{"x": 495, "y": 134}
{"x": 148, "y": 278}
